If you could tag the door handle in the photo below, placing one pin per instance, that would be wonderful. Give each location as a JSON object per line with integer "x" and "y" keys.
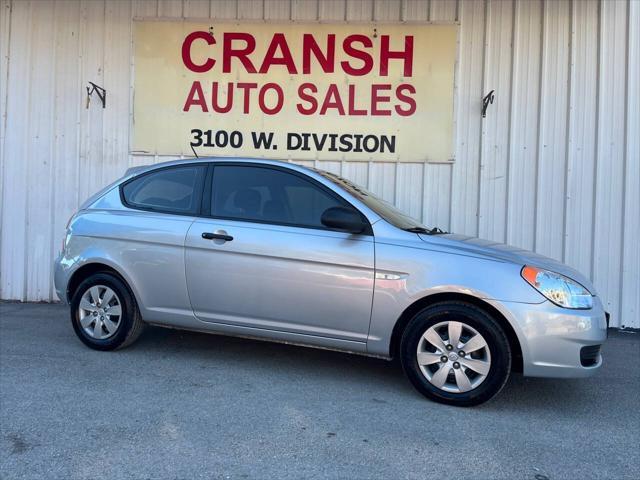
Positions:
{"x": 217, "y": 236}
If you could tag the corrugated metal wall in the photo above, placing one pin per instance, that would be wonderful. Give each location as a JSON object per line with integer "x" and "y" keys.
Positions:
{"x": 554, "y": 167}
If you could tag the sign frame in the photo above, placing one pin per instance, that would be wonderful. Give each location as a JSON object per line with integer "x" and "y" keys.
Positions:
{"x": 374, "y": 26}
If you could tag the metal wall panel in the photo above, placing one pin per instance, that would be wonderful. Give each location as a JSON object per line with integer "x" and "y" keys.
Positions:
{"x": 525, "y": 124}
{"x": 196, "y": 9}
{"x": 581, "y": 143}
{"x": 40, "y": 137}
{"x": 359, "y": 10}
{"x": 250, "y": 9}
{"x": 146, "y": 8}
{"x": 443, "y": 10}
{"x": 382, "y": 180}
{"x": 494, "y": 161}
{"x": 90, "y": 128}
{"x": 332, "y": 10}
{"x": 630, "y": 271}
{"x": 408, "y": 188}
{"x": 416, "y": 10}
{"x": 436, "y": 196}
{"x": 224, "y": 10}
{"x": 305, "y": 10}
{"x": 66, "y": 110}
{"x": 552, "y": 135}
{"x": 465, "y": 177}
{"x": 16, "y": 148}
{"x": 554, "y": 166}
{"x": 610, "y": 151}
{"x": 387, "y": 10}
{"x": 170, "y": 8}
{"x": 5, "y": 34}
{"x": 357, "y": 172}
{"x": 277, "y": 10}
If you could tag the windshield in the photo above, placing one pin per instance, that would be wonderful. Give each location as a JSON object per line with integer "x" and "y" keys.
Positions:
{"x": 383, "y": 208}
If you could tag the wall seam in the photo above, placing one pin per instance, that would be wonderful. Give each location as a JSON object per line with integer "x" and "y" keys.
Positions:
{"x": 568, "y": 130}
{"x": 27, "y": 149}
{"x": 625, "y": 160}
{"x": 483, "y": 87}
{"x": 596, "y": 145}
{"x": 4, "y": 133}
{"x": 130, "y": 74}
{"x": 450, "y": 197}
{"x": 395, "y": 183}
{"x": 510, "y": 132}
{"x": 132, "y": 69}
{"x": 539, "y": 124}
{"x": 423, "y": 197}
{"x": 104, "y": 76}
{"x": 79, "y": 129}
{"x": 52, "y": 150}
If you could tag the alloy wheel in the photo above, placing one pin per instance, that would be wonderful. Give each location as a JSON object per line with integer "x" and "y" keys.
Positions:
{"x": 100, "y": 312}
{"x": 453, "y": 357}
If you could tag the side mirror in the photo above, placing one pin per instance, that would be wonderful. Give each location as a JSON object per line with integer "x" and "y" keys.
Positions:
{"x": 345, "y": 219}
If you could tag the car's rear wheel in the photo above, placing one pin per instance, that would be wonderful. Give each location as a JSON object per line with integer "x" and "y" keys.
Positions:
{"x": 456, "y": 353}
{"x": 104, "y": 314}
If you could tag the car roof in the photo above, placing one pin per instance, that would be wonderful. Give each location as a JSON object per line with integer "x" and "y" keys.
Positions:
{"x": 145, "y": 168}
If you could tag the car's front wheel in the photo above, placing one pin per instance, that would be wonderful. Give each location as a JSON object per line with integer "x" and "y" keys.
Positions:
{"x": 456, "y": 353}
{"x": 104, "y": 314}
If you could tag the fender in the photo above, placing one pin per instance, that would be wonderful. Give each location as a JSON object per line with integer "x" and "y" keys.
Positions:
{"x": 419, "y": 273}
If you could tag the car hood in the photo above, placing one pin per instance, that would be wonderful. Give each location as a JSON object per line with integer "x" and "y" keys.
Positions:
{"x": 507, "y": 253}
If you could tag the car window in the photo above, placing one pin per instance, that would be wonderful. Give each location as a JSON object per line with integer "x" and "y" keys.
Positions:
{"x": 171, "y": 190}
{"x": 268, "y": 195}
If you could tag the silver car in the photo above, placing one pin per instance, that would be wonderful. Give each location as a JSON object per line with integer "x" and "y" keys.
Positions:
{"x": 280, "y": 252}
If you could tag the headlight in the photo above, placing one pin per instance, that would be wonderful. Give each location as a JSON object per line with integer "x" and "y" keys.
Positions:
{"x": 557, "y": 288}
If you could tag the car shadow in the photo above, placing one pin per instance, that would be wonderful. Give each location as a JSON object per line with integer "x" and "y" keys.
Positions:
{"x": 573, "y": 397}
{"x": 210, "y": 350}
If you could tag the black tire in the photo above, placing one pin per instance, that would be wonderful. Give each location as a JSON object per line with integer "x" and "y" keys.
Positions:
{"x": 479, "y": 320}
{"x": 131, "y": 324}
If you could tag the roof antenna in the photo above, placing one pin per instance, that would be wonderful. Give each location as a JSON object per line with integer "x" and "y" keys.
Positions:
{"x": 194, "y": 151}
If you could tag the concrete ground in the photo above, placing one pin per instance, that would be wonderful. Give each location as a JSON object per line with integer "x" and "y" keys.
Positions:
{"x": 188, "y": 405}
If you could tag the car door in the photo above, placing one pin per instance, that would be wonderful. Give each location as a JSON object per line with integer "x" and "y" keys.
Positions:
{"x": 264, "y": 260}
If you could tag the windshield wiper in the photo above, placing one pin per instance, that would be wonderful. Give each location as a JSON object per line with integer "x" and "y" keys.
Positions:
{"x": 428, "y": 231}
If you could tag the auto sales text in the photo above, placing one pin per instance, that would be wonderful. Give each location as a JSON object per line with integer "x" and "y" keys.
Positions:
{"x": 235, "y": 53}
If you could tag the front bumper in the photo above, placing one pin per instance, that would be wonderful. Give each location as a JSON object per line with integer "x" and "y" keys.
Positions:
{"x": 552, "y": 338}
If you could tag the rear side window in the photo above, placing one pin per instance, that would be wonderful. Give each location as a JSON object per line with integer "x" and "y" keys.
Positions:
{"x": 268, "y": 195}
{"x": 170, "y": 190}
